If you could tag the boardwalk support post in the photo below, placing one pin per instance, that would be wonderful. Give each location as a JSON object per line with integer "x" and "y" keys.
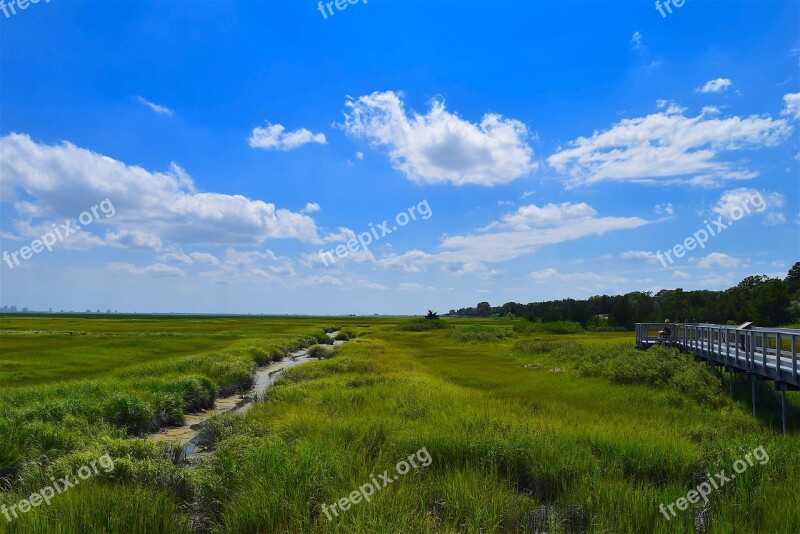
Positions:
{"x": 730, "y": 381}
{"x": 782, "y": 387}
{"x": 753, "y": 388}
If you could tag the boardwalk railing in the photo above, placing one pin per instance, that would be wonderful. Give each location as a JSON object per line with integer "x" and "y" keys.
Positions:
{"x": 761, "y": 353}
{"x": 769, "y": 353}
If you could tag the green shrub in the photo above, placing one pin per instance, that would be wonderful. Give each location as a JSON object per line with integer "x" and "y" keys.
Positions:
{"x": 320, "y": 352}
{"x": 135, "y": 415}
{"x": 345, "y": 334}
{"x": 553, "y": 327}
{"x": 420, "y": 324}
{"x": 197, "y": 392}
{"x": 479, "y": 333}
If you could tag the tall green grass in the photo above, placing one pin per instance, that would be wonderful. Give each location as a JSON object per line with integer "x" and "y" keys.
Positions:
{"x": 527, "y": 433}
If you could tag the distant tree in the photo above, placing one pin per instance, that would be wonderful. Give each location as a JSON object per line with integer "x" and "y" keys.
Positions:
{"x": 793, "y": 278}
{"x": 621, "y": 314}
{"x": 484, "y": 309}
{"x": 432, "y": 315}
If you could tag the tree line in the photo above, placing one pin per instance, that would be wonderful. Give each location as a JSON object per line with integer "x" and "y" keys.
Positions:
{"x": 763, "y": 300}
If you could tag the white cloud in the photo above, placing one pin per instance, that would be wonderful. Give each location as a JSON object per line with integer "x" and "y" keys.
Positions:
{"x": 715, "y": 86}
{"x": 533, "y": 216}
{"x": 176, "y": 256}
{"x": 311, "y": 207}
{"x": 639, "y": 255}
{"x": 516, "y": 234}
{"x": 742, "y": 202}
{"x": 161, "y": 110}
{"x": 359, "y": 155}
{"x": 413, "y": 286}
{"x": 717, "y": 260}
{"x": 667, "y": 147}
{"x": 61, "y": 181}
{"x": 274, "y": 137}
{"x": 681, "y": 275}
{"x": 344, "y": 234}
{"x": 665, "y": 208}
{"x": 636, "y": 40}
{"x": 441, "y": 147}
{"x": 366, "y": 284}
{"x": 792, "y": 105}
{"x": 157, "y": 269}
{"x": 134, "y": 239}
{"x": 205, "y": 257}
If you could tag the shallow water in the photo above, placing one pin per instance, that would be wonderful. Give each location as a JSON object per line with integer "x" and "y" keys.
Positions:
{"x": 265, "y": 376}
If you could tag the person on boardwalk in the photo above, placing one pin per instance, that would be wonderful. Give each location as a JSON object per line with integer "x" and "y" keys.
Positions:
{"x": 666, "y": 331}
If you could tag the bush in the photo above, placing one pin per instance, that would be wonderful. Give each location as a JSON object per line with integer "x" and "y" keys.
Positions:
{"x": 660, "y": 367}
{"x": 320, "y": 352}
{"x": 345, "y": 334}
{"x": 136, "y": 416}
{"x": 322, "y": 338}
{"x": 421, "y": 324}
{"x": 197, "y": 392}
{"x": 553, "y": 327}
{"x": 479, "y": 333}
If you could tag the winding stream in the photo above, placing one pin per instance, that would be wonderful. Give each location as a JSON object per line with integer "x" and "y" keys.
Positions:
{"x": 186, "y": 435}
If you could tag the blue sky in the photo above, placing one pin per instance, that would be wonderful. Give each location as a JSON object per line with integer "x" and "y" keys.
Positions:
{"x": 557, "y": 148}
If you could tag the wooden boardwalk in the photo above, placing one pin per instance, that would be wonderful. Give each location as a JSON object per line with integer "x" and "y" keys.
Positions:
{"x": 761, "y": 353}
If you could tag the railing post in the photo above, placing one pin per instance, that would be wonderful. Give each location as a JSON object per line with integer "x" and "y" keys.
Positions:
{"x": 794, "y": 357}
{"x": 736, "y": 344}
{"x": 778, "y": 349}
{"x": 727, "y": 347}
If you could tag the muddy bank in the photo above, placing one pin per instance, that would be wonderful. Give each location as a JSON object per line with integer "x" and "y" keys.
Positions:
{"x": 186, "y": 434}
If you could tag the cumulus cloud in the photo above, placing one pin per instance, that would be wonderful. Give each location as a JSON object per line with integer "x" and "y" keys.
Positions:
{"x": 791, "y": 105}
{"x": 715, "y": 86}
{"x": 441, "y": 147}
{"x": 742, "y": 202}
{"x": 639, "y": 255}
{"x": 718, "y": 260}
{"x": 152, "y": 208}
{"x": 274, "y": 137}
{"x": 667, "y": 147}
{"x": 533, "y": 216}
{"x": 516, "y": 234}
{"x": 161, "y": 110}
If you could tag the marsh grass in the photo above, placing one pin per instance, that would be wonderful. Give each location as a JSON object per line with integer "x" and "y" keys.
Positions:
{"x": 515, "y": 447}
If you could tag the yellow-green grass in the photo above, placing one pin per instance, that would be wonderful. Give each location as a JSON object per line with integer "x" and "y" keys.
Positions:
{"x": 524, "y": 435}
